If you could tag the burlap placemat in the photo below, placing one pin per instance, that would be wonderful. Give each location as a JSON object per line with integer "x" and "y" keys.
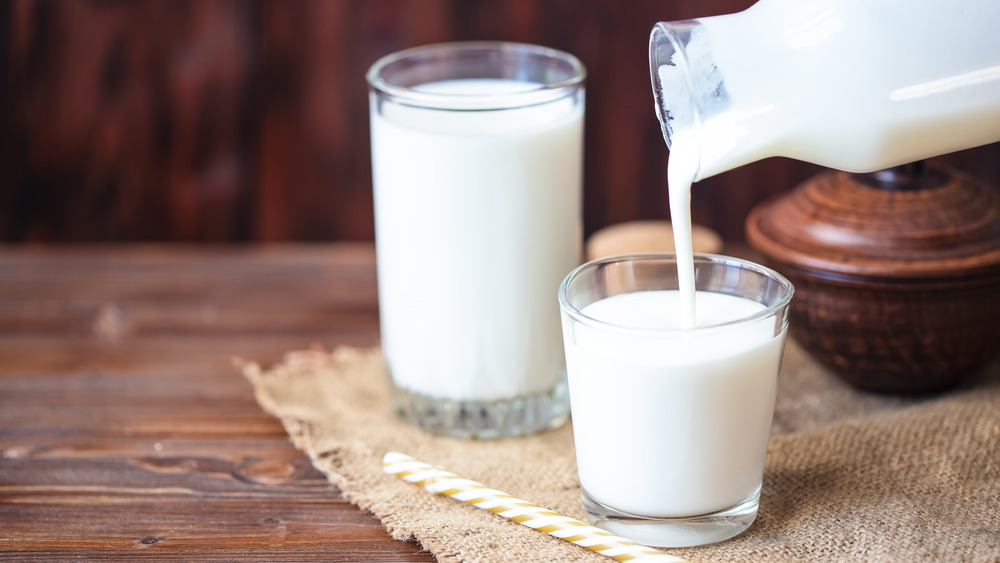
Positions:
{"x": 849, "y": 475}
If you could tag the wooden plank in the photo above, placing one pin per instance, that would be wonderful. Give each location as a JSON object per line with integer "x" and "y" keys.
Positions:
{"x": 126, "y": 431}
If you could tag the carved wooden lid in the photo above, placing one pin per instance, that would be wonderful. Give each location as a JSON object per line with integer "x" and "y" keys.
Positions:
{"x": 929, "y": 224}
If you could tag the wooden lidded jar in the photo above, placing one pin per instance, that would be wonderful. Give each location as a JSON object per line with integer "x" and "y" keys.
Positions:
{"x": 896, "y": 273}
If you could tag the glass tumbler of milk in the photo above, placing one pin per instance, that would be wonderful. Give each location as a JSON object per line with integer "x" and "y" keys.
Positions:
{"x": 671, "y": 424}
{"x": 477, "y": 172}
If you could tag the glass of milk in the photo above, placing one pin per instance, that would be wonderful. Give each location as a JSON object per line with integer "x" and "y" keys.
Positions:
{"x": 477, "y": 170}
{"x": 671, "y": 424}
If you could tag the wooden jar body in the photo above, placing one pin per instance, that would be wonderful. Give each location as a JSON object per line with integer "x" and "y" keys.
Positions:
{"x": 897, "y": 290}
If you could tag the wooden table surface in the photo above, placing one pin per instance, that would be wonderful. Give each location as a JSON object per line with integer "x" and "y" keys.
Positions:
{"x": 126, "y": 431}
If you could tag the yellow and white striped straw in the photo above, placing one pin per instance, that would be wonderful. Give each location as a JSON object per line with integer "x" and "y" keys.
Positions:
{"x": 439, "y": 481}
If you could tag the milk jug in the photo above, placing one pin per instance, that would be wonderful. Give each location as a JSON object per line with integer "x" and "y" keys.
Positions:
{"x": 857, "y": 85}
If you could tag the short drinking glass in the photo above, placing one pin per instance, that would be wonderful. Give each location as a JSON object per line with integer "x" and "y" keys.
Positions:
{"x": 671, "y": 424}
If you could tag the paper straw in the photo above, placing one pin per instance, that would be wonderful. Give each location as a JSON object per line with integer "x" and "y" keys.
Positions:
{"x": 439, "y": 481}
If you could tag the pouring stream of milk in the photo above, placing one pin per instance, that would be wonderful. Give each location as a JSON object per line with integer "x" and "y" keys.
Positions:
{"x": 681, "y": 169}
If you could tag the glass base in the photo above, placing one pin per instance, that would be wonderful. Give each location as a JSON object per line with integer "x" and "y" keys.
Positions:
{"x": 674, "y": 532}
{"x": 502, "y": 418}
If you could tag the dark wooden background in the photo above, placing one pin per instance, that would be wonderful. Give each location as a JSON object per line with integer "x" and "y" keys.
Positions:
{"x": 247, "y": 120}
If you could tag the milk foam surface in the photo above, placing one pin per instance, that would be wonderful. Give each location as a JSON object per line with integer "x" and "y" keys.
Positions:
{"x": 669, "y": 422}
{"x": 477, "y": 221}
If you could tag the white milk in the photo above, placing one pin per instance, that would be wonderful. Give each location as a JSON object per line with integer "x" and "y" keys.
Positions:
{"x": 681, "y": 169}
{"x": 669, "y": 422}
{"x": 478, "y": 219}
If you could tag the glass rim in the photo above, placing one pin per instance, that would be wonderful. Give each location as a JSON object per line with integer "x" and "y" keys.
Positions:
{"x": 771, "y": 310}
{"x": 544, "y": 93}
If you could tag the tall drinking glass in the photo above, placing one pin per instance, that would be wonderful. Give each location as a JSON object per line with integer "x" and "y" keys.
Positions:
{"x": 671, "y": 424}
{"x": 477, "y": 172}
